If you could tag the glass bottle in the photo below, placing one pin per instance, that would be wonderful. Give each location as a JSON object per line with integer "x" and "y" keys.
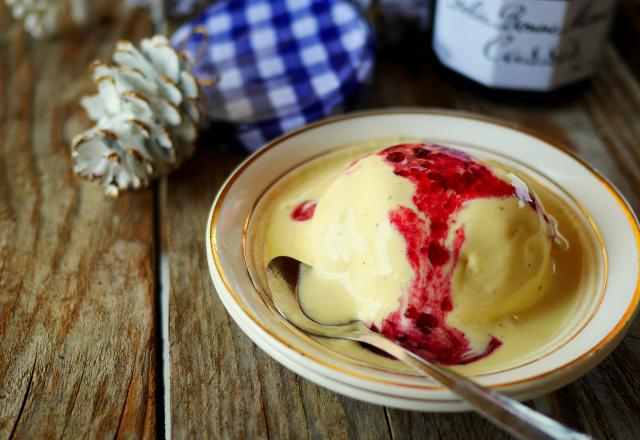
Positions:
{"x": 526, "y": 45}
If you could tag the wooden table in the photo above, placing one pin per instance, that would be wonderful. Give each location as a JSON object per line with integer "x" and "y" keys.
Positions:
{"x": 80, "y": 274}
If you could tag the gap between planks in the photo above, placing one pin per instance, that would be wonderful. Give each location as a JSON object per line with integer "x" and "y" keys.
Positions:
{"x": 163, "y": 277}
{"x": 163, "y": 283}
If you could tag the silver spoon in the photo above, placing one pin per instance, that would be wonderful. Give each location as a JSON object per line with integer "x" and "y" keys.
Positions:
{"x": 509, "y": 414}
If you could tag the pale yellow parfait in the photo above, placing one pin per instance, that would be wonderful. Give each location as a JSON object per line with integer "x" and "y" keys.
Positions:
{"x": 505, "y": 261}
{"x": 360, "y": 268}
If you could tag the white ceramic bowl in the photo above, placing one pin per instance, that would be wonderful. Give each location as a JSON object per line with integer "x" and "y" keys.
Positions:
{"x": 606, "y": 318}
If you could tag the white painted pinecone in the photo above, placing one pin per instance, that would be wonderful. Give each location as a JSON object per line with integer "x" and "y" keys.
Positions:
{"x": 42, "y": 18}
{"x": 147, "y": 116}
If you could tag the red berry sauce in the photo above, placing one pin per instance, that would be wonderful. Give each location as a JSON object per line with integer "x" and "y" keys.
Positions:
{"x": 444, "y": 181}
{"x": 304, "y": 211}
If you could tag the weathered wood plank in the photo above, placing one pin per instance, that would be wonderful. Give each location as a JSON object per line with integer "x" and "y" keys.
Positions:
{"x": 422, "y": 425}
{"x": 77, "y": 327}
{"x": 223, "y": 386}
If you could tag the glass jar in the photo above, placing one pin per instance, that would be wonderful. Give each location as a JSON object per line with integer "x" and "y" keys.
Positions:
{"x": 529, "y": 45}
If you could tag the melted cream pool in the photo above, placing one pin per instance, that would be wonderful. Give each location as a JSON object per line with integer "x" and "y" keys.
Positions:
{"x": 574, "y": 286}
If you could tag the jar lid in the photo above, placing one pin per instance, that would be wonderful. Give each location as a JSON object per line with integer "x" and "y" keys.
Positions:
{"x": 280, "y": 64}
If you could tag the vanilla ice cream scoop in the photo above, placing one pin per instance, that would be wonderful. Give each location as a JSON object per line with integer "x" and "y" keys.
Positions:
{"x": 358, "y": 253}
{"x": 420, "y": 242}
{"x": 504, "y": 263}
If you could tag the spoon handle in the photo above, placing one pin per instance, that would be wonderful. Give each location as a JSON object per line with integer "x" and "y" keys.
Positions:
{"x": 511, "y": 415}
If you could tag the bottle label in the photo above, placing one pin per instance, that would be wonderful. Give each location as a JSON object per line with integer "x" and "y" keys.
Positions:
{"x": 522, "y": 44}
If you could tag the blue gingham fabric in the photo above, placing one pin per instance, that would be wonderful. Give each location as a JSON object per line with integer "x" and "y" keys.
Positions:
{"x": 280, "y": 64}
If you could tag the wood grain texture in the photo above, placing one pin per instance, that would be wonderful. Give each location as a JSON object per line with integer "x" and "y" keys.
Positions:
{"x": 223, "y": 386}
{"x": 77, "y": 327}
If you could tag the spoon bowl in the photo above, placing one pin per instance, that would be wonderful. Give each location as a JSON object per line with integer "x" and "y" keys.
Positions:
{"x": 282, "y": 277}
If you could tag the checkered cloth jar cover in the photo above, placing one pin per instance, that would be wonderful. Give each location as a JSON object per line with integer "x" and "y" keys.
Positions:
{"x": 280, "y": 64}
